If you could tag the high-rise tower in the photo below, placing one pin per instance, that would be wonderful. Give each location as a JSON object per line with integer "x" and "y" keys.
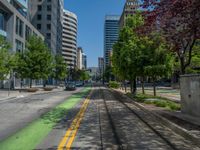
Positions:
{"x": 69, "y": 38}
{"x": 130, "y": 8}
{"x": 47, "y": 17}
{"x": 111, "y": 33}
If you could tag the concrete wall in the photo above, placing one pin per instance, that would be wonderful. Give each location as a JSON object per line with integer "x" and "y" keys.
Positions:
{"x": 190, "y": 94}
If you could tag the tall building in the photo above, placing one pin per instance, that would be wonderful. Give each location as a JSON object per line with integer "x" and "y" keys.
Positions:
{"x": 15, "y": 28}
{"x": 14, "y": 25}
{"x": 79, "y": 58}
{"x": 111, "y": 33}
{"x": 130, "y": 8}
{"x": 47, "y": 17}
{"x": 69, "y": 38}
{"x": 84, "y": 61}
{"x": 100, "y": 65}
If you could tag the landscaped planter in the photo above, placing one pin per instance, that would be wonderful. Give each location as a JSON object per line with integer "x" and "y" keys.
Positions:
{"x": 48, "y": 88}
{"x": 32, "y": 90}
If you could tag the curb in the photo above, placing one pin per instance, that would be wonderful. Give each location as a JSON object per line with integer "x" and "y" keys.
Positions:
{"x": 177, "y": 129}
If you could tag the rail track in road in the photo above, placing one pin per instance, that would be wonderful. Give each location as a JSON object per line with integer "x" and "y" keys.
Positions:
{"x": 133, "y": 128}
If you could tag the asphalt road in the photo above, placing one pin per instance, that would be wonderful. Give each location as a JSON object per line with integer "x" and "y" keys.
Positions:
{"x": 109, "y": 124}
{"x": 15, "y": 114}
{"x": 103, "y": 120}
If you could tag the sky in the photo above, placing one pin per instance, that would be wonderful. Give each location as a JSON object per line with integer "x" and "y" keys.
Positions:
{"x": 91, "y": 15}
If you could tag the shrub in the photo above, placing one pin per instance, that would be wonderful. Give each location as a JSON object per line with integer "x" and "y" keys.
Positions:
{"x": 114, "y": 84}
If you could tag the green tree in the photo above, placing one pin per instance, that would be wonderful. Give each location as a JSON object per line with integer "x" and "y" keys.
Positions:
{"x": 161, "y": 61}
{"x": 195, "y": 61}
{"x": 60, "y": 68}
{"x": 7, "y": 59}
{"x": 36, "y": 62}
{"x": 84, "y": 76}
{"x": 125, "y": 51}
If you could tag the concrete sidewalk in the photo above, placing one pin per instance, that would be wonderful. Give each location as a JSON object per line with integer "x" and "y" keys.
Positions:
{"x": 6, "y": 94}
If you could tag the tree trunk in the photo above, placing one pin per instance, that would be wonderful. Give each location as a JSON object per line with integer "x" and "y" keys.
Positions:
{"x": 182, "y": 64}
{"x": 21, "y": 84}
{"x": 142, "y": 84}
{"x": 44, "y": 83}
{"x": 125, "y": 87}
{"x": 154, "y": 87}
{"x": 30, "y": 83}
{"x": 134, "y": 86}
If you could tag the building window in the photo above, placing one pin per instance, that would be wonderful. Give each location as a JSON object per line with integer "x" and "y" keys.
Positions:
{"x": 48, "y": 7}
{"x": 48, "y": 17}
{"x": 48, "y": 1}
{"x": 19, "y": 27}
{"x": 19, "y": 46}
{"x": 39, "y": 7}
{"x": 39, "y": 26}
{"x": 48, "y": 26}
{"x": 48, "y": 35}
{"x": 28, "y": 32}
{"x": 39, "y": 17}
{"x": 2, "y": 21}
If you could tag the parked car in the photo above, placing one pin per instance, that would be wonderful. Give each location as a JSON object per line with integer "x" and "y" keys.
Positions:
{"x": 70, "y": 86}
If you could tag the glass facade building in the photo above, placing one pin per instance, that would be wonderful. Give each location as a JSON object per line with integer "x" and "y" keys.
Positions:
{"x": 111, "y": 33}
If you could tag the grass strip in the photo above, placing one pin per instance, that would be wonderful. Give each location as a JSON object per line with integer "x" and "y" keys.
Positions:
{"x": 160, "y": 102}
{"x": 29, "y": 137}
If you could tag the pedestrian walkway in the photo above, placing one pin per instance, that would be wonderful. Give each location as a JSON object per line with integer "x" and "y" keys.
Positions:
{"x": 6, "y": 94}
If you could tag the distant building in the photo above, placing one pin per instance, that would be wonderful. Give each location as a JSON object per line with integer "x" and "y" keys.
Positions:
{"x": 84, "y": 61}
{"x": 130, "y": 8}
{"x": 100, "y": 65}
{"x": 111, "y": 33}
{"x": 69, "y": 39}
{"x": 47, "y": 17}
{"x": 79, "y": 58}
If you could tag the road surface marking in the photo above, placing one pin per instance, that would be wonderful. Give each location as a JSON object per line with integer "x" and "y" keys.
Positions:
{"x": 70, "y": 135}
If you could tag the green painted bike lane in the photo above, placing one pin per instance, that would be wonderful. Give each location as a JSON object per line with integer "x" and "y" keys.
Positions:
{"x": 29, "y": 137}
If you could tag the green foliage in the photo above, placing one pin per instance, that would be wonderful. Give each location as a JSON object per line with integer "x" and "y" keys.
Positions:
{"x": 84, "y": 76}
{"x": 60, "y": 68}
{"x": 7, "y": 59}
{"x": 80, "y": 75}
{"x": 160, "y": 102}
{"x": 36, "y": 62}
{"x": 114, "y": 84}
{"x": 195, "y": 62}
{"x": 125, "y": 51}
{"x": 108, "y": 73}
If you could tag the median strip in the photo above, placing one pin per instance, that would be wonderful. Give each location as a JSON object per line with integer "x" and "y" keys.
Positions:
{"x": 70, "y": 134}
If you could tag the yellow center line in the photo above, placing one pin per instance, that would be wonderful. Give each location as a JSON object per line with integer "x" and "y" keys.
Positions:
{"x": 70, "y": 135}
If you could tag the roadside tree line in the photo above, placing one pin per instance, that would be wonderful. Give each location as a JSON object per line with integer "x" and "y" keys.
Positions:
{"x": 35, "y": 62}
{"x": 161, "y": 40}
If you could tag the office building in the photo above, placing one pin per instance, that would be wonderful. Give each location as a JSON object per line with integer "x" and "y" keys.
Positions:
{"x": 80, "y": 58}
{"x": 47, "y": 17}
{"x": 100, "y": 65}
{"x": 69, "y": 39}
{"x": 15, "y": 28}
{"x": 14, "y": 25}
{"x": 130, "y": 8}
{"x": 111, "y": 33}
{"x": 84, "y": 61}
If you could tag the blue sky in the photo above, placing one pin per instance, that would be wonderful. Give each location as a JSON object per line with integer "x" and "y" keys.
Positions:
{"x": 91, "y": 14}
